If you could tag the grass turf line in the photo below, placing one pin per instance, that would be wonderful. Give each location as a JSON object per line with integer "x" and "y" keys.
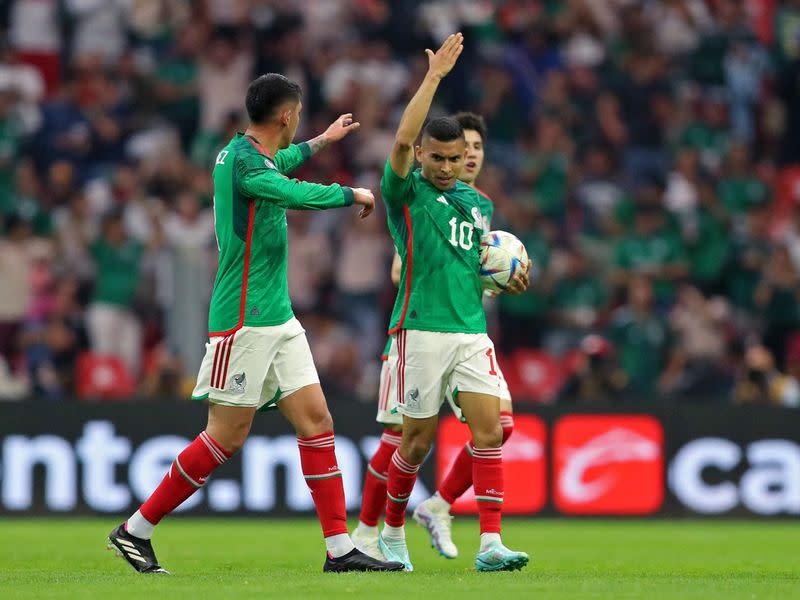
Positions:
{"x": 269, "y": 558}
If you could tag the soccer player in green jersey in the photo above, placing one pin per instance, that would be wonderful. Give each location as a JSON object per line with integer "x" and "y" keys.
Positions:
{"x": 438, "y": 321}
{"x": 433, "y": 513}
{"x": 257, "y": 355}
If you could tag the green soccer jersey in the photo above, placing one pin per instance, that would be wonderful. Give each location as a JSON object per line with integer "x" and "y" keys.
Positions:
{"x": 251, "y": 195}
{"x": 437, "y": 233}
{"x": 486, "y": 207}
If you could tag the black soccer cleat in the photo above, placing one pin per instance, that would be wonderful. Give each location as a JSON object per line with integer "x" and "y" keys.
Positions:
{"x": 355, "y": 560}
{"x": 138, "y": 552}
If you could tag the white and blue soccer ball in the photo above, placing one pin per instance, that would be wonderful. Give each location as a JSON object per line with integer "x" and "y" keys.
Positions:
{"x": 502, "y": 256}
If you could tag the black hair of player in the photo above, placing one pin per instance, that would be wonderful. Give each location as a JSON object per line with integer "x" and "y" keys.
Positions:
{"x": 267, "y": 93}
{"x": 443, "y": 129}
{"x": 473, "y": 122}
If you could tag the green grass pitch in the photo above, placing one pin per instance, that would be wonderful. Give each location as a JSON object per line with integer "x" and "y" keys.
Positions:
{"x": 270, "y": 558}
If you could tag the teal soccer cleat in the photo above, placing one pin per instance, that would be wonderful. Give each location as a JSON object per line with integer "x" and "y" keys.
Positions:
{"x": 395, "y": 550}
{"x": 499, "y": 558}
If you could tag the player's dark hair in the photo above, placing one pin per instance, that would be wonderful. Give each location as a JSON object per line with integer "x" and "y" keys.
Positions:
{"x": 473, "y": 122}
{"x": 268, "y": 92}
{"x": 443, "y": 129}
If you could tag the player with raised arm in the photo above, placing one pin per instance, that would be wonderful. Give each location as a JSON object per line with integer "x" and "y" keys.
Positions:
{"x": 438, "y": 322}
{"x": 434, "y": 513}
{"x": 257, "y": 355}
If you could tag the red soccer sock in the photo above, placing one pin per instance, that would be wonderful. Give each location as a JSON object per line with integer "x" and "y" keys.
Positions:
{"x": 324, "y": 479}
{"x": 187, "y": 474}
{"x": 400, "y": 482}
{"x": 459, "y": 478}
{"x": 487, "y": 473}
{"x": 373, "y": 498}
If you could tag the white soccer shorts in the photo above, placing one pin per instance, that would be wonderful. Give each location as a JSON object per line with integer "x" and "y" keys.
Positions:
{"x": 256, "y": 366}
{"x": 426, "y": 364}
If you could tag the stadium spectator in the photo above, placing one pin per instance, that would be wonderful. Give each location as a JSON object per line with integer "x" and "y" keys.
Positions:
{"x": 644, "y": 342}
{"x": 112, "y": 324}
{"x": 761, "y": 383}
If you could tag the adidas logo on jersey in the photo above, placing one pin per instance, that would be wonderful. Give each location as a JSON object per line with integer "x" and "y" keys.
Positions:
{"x": 254, "y": 312}
{"x": 413, "y": 314}
{"x": 443, "y": 200}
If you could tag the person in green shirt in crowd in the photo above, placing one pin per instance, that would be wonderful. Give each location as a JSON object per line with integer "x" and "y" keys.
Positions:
{"x": 546, "y": 168}
{"x": 750, "y": 255}
{"x": 27, "y": 203}
{"x": 739, "y": 188}
{"x": 651, "y": 249}
{"x": 710, "y": 134}
{"x": 175, "y": 84}
{"x": 578, "y": 303}
{"x": 112, "y": 324}
{"x": 644, "y": 342}
{"x": 522, "y": 317}
{"x": 600, "y": 195}
{"x": 777, "y": 298}
{"x": 707, "y": 241}
{"x": 10, "y": 135}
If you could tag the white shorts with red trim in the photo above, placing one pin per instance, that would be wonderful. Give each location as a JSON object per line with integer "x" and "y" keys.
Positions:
{"x": 387, "y": 401}
{"x": 256, "y": 366}
{"x": 426, "y": 364}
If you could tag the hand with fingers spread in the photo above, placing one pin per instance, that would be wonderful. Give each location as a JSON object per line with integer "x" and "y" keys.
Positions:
{"x": 365, "y": 199}
{"x": 519, "y": 283}
{"x": 341, "y": 127}
{"x": 442, "y": 61}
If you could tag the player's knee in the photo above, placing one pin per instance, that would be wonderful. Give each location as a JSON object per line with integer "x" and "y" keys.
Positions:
{"x": 415, "y": 447}
{"x": 316, "y": 422}
{"x": 489, "y": 437}
{"x": 416, "y": 451}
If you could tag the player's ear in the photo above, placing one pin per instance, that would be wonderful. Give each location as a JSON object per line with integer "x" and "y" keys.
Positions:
{"x": 286, "y": 116}
{"x": 418, "y": 153}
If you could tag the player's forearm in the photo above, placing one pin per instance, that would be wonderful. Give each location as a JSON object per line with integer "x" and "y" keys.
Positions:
{"x": 299, "y": 195}
{"x": 416, "y": 111}
{"x": 318, "y": 143}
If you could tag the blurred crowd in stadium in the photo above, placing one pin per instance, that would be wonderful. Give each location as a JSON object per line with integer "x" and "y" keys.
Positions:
{"x": 646, "y": 152}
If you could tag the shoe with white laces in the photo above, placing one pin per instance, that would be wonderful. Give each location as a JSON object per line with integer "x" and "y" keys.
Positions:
{"x": 497, "y": 557}
{"x": 367, "y": 543}
{"x": 435, "y": 518}
{"x": 395, "y": 550}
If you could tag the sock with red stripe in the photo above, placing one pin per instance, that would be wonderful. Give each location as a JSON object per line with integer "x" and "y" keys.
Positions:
{"x": 187, "y": 474}
{"x": 487, "y": 474}
{"x": 400, "y": 481}
{"x": 373, "y": 498}
{"x": 459, "y": 478}
{"x": 324, "y": 479}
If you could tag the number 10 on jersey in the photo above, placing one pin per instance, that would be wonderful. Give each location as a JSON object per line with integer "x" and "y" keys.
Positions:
{"x": 464, "y": 233}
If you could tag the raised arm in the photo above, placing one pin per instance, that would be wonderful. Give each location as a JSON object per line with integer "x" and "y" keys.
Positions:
{"x": 439, "y": 64}
{"x": 291, "y": 158}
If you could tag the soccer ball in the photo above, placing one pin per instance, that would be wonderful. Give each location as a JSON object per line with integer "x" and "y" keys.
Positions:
{"x": 502, "y": 256}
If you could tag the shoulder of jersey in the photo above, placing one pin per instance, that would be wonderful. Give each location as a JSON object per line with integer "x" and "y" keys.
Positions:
{"x": 481, "y": 193}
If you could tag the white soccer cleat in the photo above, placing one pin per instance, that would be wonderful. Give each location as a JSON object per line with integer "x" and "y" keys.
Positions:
{"x": 437, "y": 521}
{"x": 368, "y": 544}
{"x": 395, "y": 550}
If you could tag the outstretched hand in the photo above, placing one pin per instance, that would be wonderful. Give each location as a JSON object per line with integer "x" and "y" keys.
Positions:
{"x": 442, "y": 61}
{"x": 341, "y": 127}
{"x": 365, "y": 199}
